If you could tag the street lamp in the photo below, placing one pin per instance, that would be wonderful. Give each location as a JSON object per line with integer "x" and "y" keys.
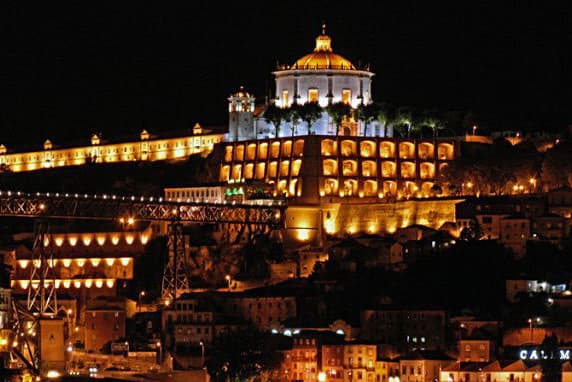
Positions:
{"x": 141, "y": 295}
{"x": 532, "y": 182}
{"x": 202, "y": 344}
{"x": 159, "y": 352}
{"x": 474, "y": 129}
{"x": 530, "y": 322}
{"x": 228, "y": 278}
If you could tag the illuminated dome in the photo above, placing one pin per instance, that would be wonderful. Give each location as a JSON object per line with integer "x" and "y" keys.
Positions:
{"x": 323, "y": 57}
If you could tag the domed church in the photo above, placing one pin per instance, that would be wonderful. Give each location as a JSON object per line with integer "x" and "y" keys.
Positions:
{"x": 321, "y": 76}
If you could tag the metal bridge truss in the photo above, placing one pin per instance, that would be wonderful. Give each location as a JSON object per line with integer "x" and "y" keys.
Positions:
{"x": 246, "y": 219}
{"x": 106, "y": 207}
{"x": 41, "y": 293}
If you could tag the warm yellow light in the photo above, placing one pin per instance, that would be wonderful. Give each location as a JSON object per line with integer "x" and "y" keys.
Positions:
{"x": 88, "y": 283}
{"x": 109, "y": 261}
{"x": 130, "y": 221}
{"x": 53, "y": 374}
{"x": 303, "y": 234}
{"x": 115, "y": 239}
{"x": 37, "y": 263}
{"x": 23, "y": 263}
{"x": 144, "y": 239}
{"x": 24, "y": 284}
{"x": 95, "y": 261}
{"x": 125, "y": 261}
{"x": 67, "y": 283}
{"x": 57, "y": 283}
{"x": 77, "y": 284}
{"x": 86, "y": 239}
{"x": 129, "y": 239}
{"x": 72, "y": 240}
{"x": 80, "y": 262}
{"x": 321, "y": 376}
{"x": 99, "y": 283}
{"x": 100, "y": 239}
{"x": 66, "y": 262}
{"x": 59, "y": 241}
{"x": 109, "y": 283}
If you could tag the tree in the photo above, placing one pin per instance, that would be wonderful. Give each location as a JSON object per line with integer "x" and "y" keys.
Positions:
{"x": 404, "y": 121}
{"x": 557, "y": 166}
{"x": 366, "y": 114}
{"x": 243, "y": 354}
{"x": 310, "y": 112}
{"x": 337, "y": 112}
{"x": 551, "y": 364}
{"x": 386, "y": 116}
{"x": 274, "y": 115}
{"x": 293, "y": 115}
{"x": 429, "y": 120}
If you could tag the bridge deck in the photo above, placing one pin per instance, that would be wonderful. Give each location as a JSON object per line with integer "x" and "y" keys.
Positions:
{"x": 112, "y": 207}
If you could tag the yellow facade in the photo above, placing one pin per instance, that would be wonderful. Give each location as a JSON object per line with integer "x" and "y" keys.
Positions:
{"x": 146, "y": 149}
{"x": 86, "y": 260}
{"x": 344, "y": 167}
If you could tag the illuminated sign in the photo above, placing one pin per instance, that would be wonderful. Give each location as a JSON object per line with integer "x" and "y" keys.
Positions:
{"x": 536, "y": 354}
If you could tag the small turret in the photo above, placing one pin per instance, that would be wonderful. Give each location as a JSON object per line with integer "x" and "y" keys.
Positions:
{"x": 144, "y": 135}
{"x": 95, "y": 140}
{"x": 197, "y": 129}
{"x": 48, "y": 145}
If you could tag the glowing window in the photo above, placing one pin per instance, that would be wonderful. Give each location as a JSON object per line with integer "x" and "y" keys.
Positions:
{"x": 349, "y": 168}
{"x": 285, "y": 98}
{"x": 346, "y": 95}
{"x": 330, "y": 167}
{"x": 313, "y": 95}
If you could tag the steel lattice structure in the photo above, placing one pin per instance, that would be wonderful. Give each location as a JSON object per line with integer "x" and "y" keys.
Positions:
{"x": 105, "y": 207}
{"x": 254, "y": 218}
{"x": 42, "y": 299}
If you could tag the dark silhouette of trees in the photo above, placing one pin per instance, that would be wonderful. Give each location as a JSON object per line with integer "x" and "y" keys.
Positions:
{"x": 243, "y": 354}
{"x": 274, "y": 115}
{"x": 337, "y": 112}
{"x": 293, "y": 114}
{"x": 557, "y": 166}
{"x": 367, "y": 114}
{"x": 310, "y": 112}
{"x": 551, "y": 365}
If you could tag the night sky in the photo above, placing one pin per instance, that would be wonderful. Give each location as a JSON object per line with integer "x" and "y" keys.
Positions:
{"x": 115, "y": 68}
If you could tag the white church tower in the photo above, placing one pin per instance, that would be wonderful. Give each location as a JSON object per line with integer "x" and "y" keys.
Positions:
{"x": 240, "y": 116}
{"x": 321, "y": 76}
